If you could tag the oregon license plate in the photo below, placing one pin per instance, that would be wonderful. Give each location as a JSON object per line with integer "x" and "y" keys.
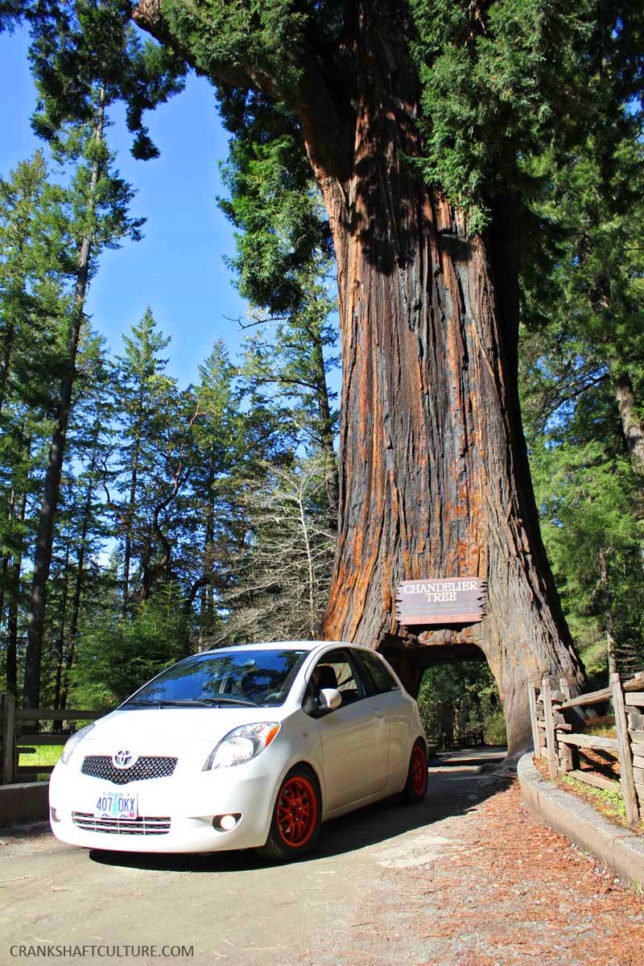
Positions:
{"x": 116, "y": 805}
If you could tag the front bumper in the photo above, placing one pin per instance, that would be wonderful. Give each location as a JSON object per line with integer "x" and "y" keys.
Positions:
{"x": 176, "y": 815}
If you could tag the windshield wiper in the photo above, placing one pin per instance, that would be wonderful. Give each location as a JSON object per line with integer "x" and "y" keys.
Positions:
{"x": 168, "y": 703}
{"x": 191, "y": 702}
{"x": 140, "y": 704}
{"x": 225, "y": 699}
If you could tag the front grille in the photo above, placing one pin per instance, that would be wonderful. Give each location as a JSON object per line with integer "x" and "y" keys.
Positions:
{"x": 101, "y": 766}
{"x": 122, "y": 826}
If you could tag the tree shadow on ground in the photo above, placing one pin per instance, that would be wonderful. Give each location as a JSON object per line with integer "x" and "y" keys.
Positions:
{"x": 451, "y": 793}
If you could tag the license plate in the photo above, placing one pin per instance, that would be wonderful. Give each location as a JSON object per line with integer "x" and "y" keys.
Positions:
{"x": 115, "y": 805}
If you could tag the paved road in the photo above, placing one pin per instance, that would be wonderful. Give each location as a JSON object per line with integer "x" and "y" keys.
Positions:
{"x": 369, "y": 895}
{"x": 229, "y": 905}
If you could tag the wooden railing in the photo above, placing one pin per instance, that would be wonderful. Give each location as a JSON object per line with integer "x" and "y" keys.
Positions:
{"x": 557, "y": 741}
{"x": 19, "y": 737}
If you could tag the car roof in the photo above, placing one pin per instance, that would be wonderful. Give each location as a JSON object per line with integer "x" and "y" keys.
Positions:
{"x": 284, "y": 645}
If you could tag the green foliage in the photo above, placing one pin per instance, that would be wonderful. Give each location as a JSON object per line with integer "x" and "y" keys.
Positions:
{"x": 583, "y": 312}
{"x": 80, "y": 47}
{"x": 265, "y": 37}
{"x": 120, "y": 654}
{"x": 609, "y": 801}
{"x": 587, "y": 500}
{"x": 507, "y": 82}
{"x": 287, "y": 364}
{"x": 283, "y": 231}
{"x": 459, "y": 705}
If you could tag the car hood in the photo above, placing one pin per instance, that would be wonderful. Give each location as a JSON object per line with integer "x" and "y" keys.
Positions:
{"x": 158, "y": 730}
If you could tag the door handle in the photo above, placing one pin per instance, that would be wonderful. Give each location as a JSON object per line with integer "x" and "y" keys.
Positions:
{"x": 378, "y": 713}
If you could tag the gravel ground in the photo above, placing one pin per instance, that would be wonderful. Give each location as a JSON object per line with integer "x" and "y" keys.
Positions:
{"x": 466, "y": 879}
{"x": 492, "y": 886}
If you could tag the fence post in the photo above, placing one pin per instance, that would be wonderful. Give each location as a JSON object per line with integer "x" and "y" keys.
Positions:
{"x": 8, "y": 703}
{"x": 626, "y": 779}
{"x": 532, "y": 698}
{"x": 566, "y": 760}
{"x": 551, "y": 741}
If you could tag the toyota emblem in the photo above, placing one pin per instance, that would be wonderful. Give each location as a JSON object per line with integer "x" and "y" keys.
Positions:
{"x": 123, "y": 759}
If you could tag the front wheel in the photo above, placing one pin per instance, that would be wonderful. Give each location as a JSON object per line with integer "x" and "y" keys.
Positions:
{"x": 296, "y": 817}
{"x": 416, "y": 786}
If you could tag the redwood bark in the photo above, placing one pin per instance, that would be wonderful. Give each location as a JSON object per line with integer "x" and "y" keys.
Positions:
{"x": 434, "y": 476}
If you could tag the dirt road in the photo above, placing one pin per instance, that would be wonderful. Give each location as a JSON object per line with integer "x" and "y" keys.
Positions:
{"x": 466, "y": 879}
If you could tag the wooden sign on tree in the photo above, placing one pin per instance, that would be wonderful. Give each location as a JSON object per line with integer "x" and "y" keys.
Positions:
{"x": 441, "y": 600}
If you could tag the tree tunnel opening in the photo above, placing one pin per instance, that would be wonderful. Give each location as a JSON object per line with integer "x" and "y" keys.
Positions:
{"x": 457, "y": 696}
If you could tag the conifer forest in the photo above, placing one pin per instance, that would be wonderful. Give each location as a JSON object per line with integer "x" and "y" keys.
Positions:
{"x": 438, "y": 218}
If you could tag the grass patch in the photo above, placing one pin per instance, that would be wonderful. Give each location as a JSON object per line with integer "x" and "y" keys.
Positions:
{"x": 603, "y": 727}
{"x": 43, "y": 754}
{"x": 607, "y": 801}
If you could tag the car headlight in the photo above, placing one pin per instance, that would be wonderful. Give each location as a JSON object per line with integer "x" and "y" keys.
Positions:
{"x": 72, "y": 743}
{"x": 241, "y": 744}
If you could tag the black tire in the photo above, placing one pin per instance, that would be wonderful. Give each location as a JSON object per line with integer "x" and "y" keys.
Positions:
{"x": 297, "y": 817}
{"x": 416, "y": 786}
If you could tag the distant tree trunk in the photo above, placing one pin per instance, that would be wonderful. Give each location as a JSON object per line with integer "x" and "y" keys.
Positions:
{"x": 62, "y": 632}
{"x": 632, "y": 423}
{"x": 80, "y": 570}
{"x": 131, "y": 509}
{"x": 4, "y": 572}
{"x": 53, "y": 474}
{"x": 5, "y": 360}
{"x": 12, "y": 627}
{"x": 13, "y": 578}
{"x": 207, "y": 599}
{"x": 327, "y": 441}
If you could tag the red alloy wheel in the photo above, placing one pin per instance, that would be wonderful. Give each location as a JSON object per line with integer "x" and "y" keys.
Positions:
{"x": 418, "y": 770}
{"x": 297, "y": 811}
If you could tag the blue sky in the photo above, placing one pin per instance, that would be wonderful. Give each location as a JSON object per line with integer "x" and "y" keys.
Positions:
{"x": 178, "y": 268}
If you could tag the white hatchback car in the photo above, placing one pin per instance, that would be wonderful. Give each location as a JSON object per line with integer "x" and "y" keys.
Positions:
{"x": 244, "y": 747}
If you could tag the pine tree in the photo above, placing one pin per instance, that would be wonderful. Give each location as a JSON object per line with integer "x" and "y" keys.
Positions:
{"x": 142, "y": 391}
{"x": 97, "y": 215}
{"x": 84, "y": 56}
{"x": 218, "y": 454}
{"x": 288, "y": 368}
{"x": 31, "y": 291}
{"x": 82, "y": 529}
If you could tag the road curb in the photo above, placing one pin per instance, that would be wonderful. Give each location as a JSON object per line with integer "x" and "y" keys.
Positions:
{"x": 24, "y": 802}
{"x": 617, "y": 847}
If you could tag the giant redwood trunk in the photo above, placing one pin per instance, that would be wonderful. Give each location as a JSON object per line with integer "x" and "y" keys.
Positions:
{"x": 434, "y": 478}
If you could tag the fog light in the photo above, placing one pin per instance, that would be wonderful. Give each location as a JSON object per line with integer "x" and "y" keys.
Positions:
{"x": 54, "y": 815}
{"x": 225, "y": 823}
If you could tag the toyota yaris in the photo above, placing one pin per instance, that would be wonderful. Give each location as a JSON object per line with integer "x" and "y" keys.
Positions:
{"x": 244, "y": 747}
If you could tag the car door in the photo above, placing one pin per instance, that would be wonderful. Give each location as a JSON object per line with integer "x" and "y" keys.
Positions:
{"x": 394, "y": 707}
{"x": 353, "y": 736}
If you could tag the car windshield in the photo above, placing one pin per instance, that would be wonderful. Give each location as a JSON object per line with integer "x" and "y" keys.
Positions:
{"x": 228, "y": 678}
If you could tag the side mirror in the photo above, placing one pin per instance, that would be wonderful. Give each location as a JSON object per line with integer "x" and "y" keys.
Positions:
{"x": 330, "y": 699}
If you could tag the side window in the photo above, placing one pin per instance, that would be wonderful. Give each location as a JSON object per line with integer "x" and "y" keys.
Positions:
{"x": 378, "y": 674}
{"x": 336, "y": 670}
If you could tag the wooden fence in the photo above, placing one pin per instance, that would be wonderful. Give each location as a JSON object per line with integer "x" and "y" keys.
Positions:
{"x": 560, "y": 740}
{"x": 17, "y": 729}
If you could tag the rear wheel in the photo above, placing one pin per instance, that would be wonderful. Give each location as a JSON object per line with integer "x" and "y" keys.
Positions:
{"x": 296, "y": 817}
{"x": 416, "y": 787}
